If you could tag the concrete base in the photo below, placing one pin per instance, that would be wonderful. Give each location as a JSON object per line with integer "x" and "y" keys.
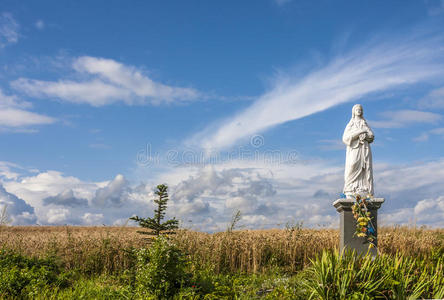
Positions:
{"x": 347, "y": 227}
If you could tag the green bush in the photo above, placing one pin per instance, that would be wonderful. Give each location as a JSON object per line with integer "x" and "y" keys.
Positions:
{"x": 161, "y": 269}
{"x": 22, "y": 276}
{"x": 348, "y": 276}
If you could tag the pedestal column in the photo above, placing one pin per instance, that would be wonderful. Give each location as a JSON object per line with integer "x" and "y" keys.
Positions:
{"x": 347, "y": 225}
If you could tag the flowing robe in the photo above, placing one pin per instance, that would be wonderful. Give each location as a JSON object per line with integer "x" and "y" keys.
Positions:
{"x": 358, "y": 162}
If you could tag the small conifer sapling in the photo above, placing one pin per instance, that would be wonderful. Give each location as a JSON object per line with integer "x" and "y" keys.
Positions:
{"x": 155, "y": 223}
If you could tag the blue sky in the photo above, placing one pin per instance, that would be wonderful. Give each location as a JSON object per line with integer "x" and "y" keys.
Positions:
{"x": 233, "y": 104}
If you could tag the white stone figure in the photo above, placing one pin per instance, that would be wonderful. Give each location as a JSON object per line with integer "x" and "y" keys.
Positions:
{"x": 358, "y": 162}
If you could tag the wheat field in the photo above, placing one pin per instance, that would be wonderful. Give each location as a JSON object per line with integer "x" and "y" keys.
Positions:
{"x": 97, "y": 250}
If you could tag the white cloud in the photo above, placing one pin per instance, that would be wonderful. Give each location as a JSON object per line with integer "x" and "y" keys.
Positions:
{"x": 92, "y": 219}
{"x": 424, "y": 212}
{"x": 11, "y": 117}
{"x": 304, "y": 191}
{"x": 66, "y": 198}
{"x": 9, "y": 29}
{"x": 112, "y": 194}
{"x": 223, "y": 190}
{"x": 426, "y": 135}
{"x": 374, "y": 67}
{"x": 268, "y": 195}
{"x": 60, "y": 199}
{"x": 106, "y": 81}
{"x": 7, "y": 170}
{"x": 58, "y": 216}
{"x": 402, "y": 118}
{"x": 34, "y": 189}
{"x": 17, "y": 209}
{"x": 13, "y": 113}
{"x": 434, "y": 99}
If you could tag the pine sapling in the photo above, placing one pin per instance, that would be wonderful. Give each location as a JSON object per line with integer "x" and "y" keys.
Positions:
{"x": 155, "y": 223}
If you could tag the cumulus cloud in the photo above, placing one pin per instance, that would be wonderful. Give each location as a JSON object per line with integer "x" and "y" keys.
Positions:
{"x": 375, "y": 67}
{"x": 92, "y": 219}
{"x": 18, "y": 210}
{"x": 105, "y": 81}
{"x": 268, "y": 195}
{"x": 9, "y": 30}
{"x": 42, "y": 185}
{"x": 424, "y": 212}
{"x": 14, "y": 113}
{"x": 258, "y": 190}
{"x": 232, "y": 189}
{"x": 402, "y": 118}
{"x": 58, "y": 216}
{"x": 60, "y": 199}
{"x": 112, "y": 194}
{"x": 271, "y": 195}
{"x": 66, "y": 198}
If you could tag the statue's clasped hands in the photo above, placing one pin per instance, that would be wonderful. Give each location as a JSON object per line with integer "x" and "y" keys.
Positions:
{"x": 362, "y": 137}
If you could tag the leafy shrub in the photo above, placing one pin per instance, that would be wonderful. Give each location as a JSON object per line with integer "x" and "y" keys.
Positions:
{"x": 160, "y": 269}
{"x": 348, "y": 276}
{"x": 23, "y": 276}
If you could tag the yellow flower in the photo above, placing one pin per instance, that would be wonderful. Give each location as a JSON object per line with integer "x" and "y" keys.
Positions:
{"x": 361, "y": 234}
{"x": 362, "y": 219}
{"x": 363, "y": 223}
{"x": 371, "y": 246}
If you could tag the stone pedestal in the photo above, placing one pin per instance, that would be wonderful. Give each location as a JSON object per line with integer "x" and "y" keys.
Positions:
{"x": 347, "y": 227}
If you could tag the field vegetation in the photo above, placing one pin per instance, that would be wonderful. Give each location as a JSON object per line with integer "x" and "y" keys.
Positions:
{"x": 292, "y": 263}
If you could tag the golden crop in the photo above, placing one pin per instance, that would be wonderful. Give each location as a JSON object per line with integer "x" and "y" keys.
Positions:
{"x": 107, "y": 249}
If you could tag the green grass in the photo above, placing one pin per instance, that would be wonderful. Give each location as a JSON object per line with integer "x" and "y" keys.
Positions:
{"x": 330, "y": 276}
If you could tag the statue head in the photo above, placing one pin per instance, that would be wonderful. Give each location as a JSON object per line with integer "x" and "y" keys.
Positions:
{"x": 357, "y": 111}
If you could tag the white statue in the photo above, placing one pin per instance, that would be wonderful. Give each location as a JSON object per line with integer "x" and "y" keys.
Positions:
{"x": 358, "y": 162}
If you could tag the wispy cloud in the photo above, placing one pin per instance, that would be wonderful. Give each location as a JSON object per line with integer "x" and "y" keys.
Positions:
{"x": 331, "y": 145}
{"x": 374, "y": 67}
{"x": 402, "y": 118}
{"x": 40, "y": 25}
{"x": 99, "y": 146}
{"x": 14, "y": 113}
{"x": 434, "y": 7}
{"x": 426, "y": 135}
{"x": 105, "y": 81}
{"x": 434, "y": 99}
{"x": 9, "y": 30}
{"x": 282, "y": 2}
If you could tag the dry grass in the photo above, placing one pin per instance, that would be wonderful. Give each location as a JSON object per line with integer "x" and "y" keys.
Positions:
{"x": 96, "y": 250}
{"x": 93, "y": 250}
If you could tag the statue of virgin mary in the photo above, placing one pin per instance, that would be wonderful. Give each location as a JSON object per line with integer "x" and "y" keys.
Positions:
{"x": 358, "y": 162}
